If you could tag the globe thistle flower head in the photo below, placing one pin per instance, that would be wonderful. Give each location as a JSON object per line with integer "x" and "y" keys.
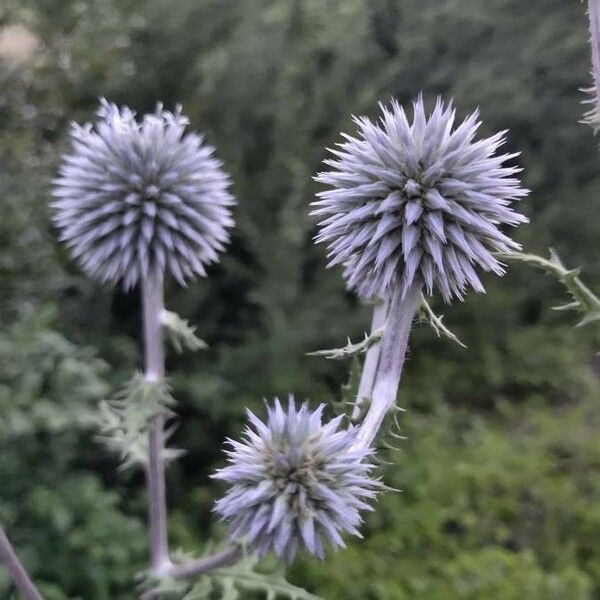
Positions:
{"x": 136, "y": 198}
{"x": 295, "y": 482}
{"x": 417, "y": 202}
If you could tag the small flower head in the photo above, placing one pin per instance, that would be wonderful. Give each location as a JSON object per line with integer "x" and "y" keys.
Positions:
{"x": 136, "y": 198}
{"x": 417, "y": 202}
{"x": 295, "y": 482}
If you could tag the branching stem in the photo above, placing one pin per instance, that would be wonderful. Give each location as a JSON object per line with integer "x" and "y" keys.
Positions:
{"x": 16, "y": 569}
{"x": 391, "y": 359}
{"x": 367, "y": 377}
{"x": 154, "y": 370}
{"x": 224, "y": 558}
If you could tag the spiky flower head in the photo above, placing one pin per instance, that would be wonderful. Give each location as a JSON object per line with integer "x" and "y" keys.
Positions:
{"x": 295, "y": 482}
{"x": 417, "y": 202}
{"x": 136, "y": 198}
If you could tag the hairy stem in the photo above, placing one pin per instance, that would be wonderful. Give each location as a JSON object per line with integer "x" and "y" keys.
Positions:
{"x": 154, "y": 370}
{"x": 367, "y": 377}
{"x": 16, "y": 569}
{"x": 223, "y": 558}
{"x": 391, "y": 359}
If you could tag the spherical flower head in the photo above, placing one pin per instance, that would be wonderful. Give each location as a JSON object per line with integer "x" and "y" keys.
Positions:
{"x": 417, "y": 203}
{"x": 136, "y": 198}
{"x": 295, "y": 482}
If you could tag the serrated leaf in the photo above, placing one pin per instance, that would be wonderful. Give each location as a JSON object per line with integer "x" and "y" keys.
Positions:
{"x": 201, "y": 590}
{"x": 180, "y": 334}
{"x": 584, "y": 300}
{"x": 235, "y": 581}
{"x": 125, "y": 419}
{"x": 228, "y": 590}
{"x": 273, "y": 585}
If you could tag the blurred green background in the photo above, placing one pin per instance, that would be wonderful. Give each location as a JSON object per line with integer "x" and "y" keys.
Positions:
{"x": 501, "y": 470}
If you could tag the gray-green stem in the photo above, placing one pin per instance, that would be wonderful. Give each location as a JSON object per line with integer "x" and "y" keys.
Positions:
{"x": 224, "y": 558}
{"x": 391, "y": 360}
{"x": 367, "y": 377}
{"x": 154, "y": 371}
{"x": 594, "y": 15}
{"x": 16, "y": 570}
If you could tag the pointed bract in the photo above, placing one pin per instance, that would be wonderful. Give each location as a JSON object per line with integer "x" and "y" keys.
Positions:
{"x": 417, "y": 202}
{"x": 136, "y": 198}
{"x": 295, "y": 483}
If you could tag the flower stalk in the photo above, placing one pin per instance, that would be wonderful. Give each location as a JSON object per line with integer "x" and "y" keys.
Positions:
{"x": 367, "y": 377}
{"x": 402, "y": 310}
{"x": 594, "y": 15}
{"x": 15, "y": 568}
{"x": 224, "y": 558}
{"x": 154, "y": 370}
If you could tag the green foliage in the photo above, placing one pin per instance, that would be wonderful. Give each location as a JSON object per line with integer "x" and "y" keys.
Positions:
{"x": 56, "y": 510}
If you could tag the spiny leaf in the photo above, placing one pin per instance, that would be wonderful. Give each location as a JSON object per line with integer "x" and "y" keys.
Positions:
{"x": 350, "y": 349}
{"x": 180, "y": 334}
{"x": 229, "y": 583}
{"x": 126, "y": 418}
{"x": 245, "y": 577}
{"x": 584, "y": 300}
{"x": 426, "y": 315}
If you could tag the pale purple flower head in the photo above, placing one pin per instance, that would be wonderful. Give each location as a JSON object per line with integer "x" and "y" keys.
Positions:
{"x": 136, "y": 198}
{"x": 295, "y": 482}
{"x": 417, "y": 202}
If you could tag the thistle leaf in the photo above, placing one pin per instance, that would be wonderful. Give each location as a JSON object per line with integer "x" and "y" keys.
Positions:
{"x": 125, "y": 419}
{"x": 180, "y": 334}
{"x": 227, "y": 583}
{"x": 426, "y": 315}
{"x": 350, "y": 349}
{"x": 584, "y": 300}
{"x": 244, "y": 577}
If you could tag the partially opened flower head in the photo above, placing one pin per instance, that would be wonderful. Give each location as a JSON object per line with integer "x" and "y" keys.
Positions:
{"x": 295, "y": 482}
{"x": 417, "y": 202}
{"x": 136, "y": 198}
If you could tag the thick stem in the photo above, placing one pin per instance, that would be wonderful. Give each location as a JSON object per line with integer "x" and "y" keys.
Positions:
{"x": 367, "y": 377}
{"x": 16, "y": 569}
{"x": 154, "y": 370}
{"x": 594, "y": 14}
{"x": 391, "y": 359}
{"x": 196, "y": 567}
